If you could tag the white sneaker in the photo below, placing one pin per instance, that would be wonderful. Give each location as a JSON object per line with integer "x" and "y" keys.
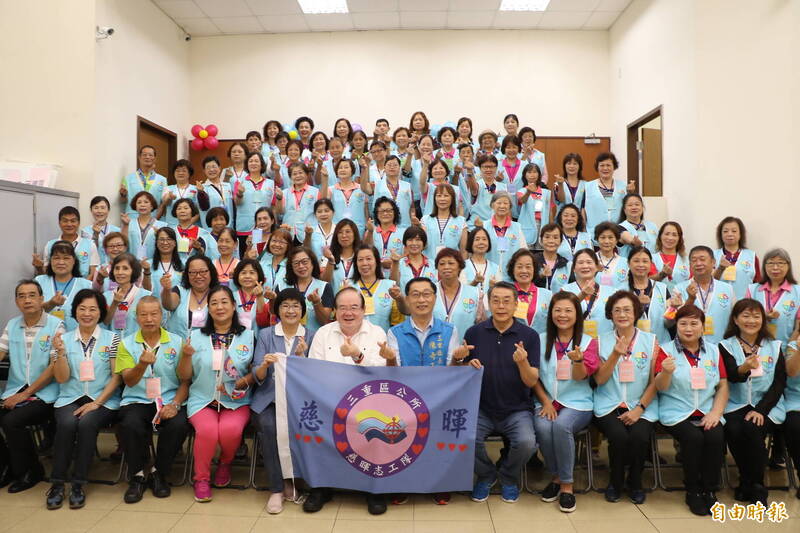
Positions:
{"x": 275, "y": 503}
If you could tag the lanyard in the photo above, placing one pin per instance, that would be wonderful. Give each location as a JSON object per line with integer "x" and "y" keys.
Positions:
{"x": 704, "y": 298}
{"x": 393, "y": 190}
{"x": 220, "y": 191}
{"x": 182, "y": 194}
{"x": 562, "y": 348}
{"x": 88, "y": 348}
{"x": 166, "y": 270}
{"x": 153, "y": 349}
{"x": 572, "y": 242}
{"x": 347, "y": 267}
{"x": 246, "y": 304}
{"x": 608, "y": 264}
{"x": 416, "y": 271}
{"x": 200, "y": 301}
{"x": 386, "y": 235}
{"x": 64, "y": 289}
{"x": 475, "y": 268}
{"x": 771, "y": 301}
{"x": 442, "y": 228}
{"x": 731, "y": 257}
{"x": 143, "y": 179}
{"x": 631, "y": 344}
{"x": 500, "y": 231}
{"x": 224, "y": 273}
{"x": 753, "y": 347}
{"x": 143, "y": 230}
{"x": 692, "y": 357}
{"x": 448, "y": 308}
{"x": 368, "y": 289}
{"x": 298, "y": 198}
{"x": 592, "y": 300}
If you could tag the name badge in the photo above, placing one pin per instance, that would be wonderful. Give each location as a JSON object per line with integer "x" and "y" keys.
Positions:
{"x": 564, "y": 369}
{"x": 58, "y": 313}
{"x": 758, "y": 371}
{"x": 502, "y": 244}
{"x": 626, "y": 374}
{"x": 698, "y": 376}
{"x": 708, "y": 328}
{"x": 590, "y": 328}
{"x": 729, "y": 274}
{"x": 258, "y": 235}
{"x": 86, "y": 370}
{"x": 369, "y": 305}
{"x": 183, "y": 245}
{"x": 643, "y": 325}
{"x": 259, "y": 197}
{"x": 606, "y": 279}
{"x": 537, "y": 206}
{"x": 512, "y": 187}
{"x": 199, "y": 318}
{"x": 152, "y": 387}
{"x": 216, "y": 360}
{"x": 245, "y": 319}
{"x": 522, "y": 310}
{"x": 118, "y": 321}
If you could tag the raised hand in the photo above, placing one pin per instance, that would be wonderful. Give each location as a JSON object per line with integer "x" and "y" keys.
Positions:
{"x": 666, "y": 270}
{"x": 520, "y": 354}
{"x": 58, "y": 298}
{"x": 668, "y": 364}
{"x": 270, "y": 294}
{"x": 314, "y": 297}
{"x": 148, "y": 357}
{"x": 621, "y": 346}
{"x": 396, "y": 257}
{"x": 327, "y": 254}
{"x": 145, "y": 264}
{"x": 724, "y": 263}
{"x": 348, "y": 349}
{"x": 478, "y": 279}
{"x": 166, "y": 281}
{"x": 258, "y": 290}
{"x": 386, "y": 352}
{"x": 58, "y": 343}
{"x": 631, "y": 186}
{"x": 752, "y": 361}
{"x": 395, "y": 292}
{"x": 478, "y": 222}
{"x": 119, "y": 295}
{"x": 676, "y": 300}
{"x": 125, "y": 218}
{"x": 187, "y": 349}
{"x": 462, "y": 352}
{"x": 691, "y": 289}
{"x": 123, "y": 191}
{"x": 37, "y": 261}
{"x": 309, "y": 230}
{"x": 370, "y": 226}
{"x": 269, "y": 358}
{"x": 576, "y": 354}
{"x": 301, "y": 348}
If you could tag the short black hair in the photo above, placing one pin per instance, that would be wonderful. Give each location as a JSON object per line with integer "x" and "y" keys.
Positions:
{"x": 244, "y": 263}
{"x": 512, "y": 262}
{"x": 621, "y": 295}
{"x": 215, "y": 212}
{"x": 260, "y": 160}
{"x": 23, "y": 282}
{"x": 386, "y": 200}
{"x": 346, "y": 289}
{"x": 85, "y": 294}
{"x": 300, "y": 120}
{"x": 192, "y": 205}
{"x": 415, "y": 232}
{"x": 702, "y": 248}
{"x": 183, "y": 163}
{"x": 580, "y": 226}
{"x": 97, "y": 199}
{"x": 66, "y": 248}
{"x": 742, "y": 230}
{"x": 523, "y": 131}
{"x": 604, "y": 156}
{"x": 607, "y": 226}
{"x": 212, "y": 271}
{"x": 502, "y": 285}
{"x": 153, "y": 148}
{"x": 289, "y": 293}
{"x": 419, "y": 279}
{"x": 252, "y": 133}
{"x": 382, "y": 120}
{"x": 510, "y": 139}
{"x": 356, "y": 276}
{"x": 291, "y": 277}
{"x": 209, "y": 328}
{"x": 210, "y": 158}
{"x": 323, "y": 201}
{"x": 68, "y": 210}
{"x": 145, "y": 194}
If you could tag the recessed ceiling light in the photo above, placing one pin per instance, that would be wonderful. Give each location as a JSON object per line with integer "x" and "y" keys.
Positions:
{"x": 318, "y": 7}
{"x": 524, "y": 5}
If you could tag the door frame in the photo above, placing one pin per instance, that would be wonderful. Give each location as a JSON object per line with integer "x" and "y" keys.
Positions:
{"x": 172, "y": 139}
{"x": 633, "y": 138}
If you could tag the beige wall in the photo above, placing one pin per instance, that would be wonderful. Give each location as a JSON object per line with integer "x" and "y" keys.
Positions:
{"x": 555, "y": 81}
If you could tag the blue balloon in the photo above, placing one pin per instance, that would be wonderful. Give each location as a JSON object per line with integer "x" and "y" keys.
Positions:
{"x": 450, "y": 124}
{"x": 288, "y": 127}
{"x": 435, "y": 129}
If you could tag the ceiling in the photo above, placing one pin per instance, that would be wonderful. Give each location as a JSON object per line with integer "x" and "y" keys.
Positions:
{"x": 231, "y": 17}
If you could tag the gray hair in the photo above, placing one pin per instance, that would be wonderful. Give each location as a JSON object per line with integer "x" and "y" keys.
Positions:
{"x": 777, "y": 253}
{"x": 501, "y": 194}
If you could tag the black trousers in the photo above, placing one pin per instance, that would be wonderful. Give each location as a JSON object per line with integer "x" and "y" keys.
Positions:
{"x": 626, "y": 445}
{"x": 136, "y": 429}
{"x": 18, "y": 450}
{"x": 791, "y": 431}
{"x": 72, "y": 432}
{"x": 746, "y": 443}
{"x": 702, "y": 453}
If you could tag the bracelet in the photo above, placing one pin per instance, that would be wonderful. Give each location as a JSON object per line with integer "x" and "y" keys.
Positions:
{"x": 578, "y": 360}
{"x": 146, "y": 272}
{"x": 360, "y": 358}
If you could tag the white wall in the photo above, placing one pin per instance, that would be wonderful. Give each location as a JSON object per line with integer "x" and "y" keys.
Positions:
{"x": 555, "y": 81}
{"x": 143, "y": 69}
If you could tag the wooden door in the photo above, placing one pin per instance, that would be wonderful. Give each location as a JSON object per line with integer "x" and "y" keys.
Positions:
{"x": 555, "y": 148}
{"x": 651, "y": 162}
{"x": 164, "y": 141}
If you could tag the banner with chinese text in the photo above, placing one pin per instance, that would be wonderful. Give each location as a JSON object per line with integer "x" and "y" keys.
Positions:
{"x": 377, "y": 429}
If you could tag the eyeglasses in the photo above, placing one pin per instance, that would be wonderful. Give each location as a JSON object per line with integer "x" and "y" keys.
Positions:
{"x": 197, "y": 272}
{"x": 781, "y": 264}
{"x": 388, "y": 211}
{"x": 506, "y": 302}
{"x": 289, "y": 307}
{"x": 280, "y": 242}
{"x": 351, "y": 308}
{"x": 163, "y": 241}
{"x": 622, "y": 311}
{"x": 302, "y": 262}
{"x": 420, "y": 295}
{"x": 115, "y": 245}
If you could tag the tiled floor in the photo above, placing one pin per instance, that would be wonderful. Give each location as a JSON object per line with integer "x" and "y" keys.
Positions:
{"x": 234, "y": 511}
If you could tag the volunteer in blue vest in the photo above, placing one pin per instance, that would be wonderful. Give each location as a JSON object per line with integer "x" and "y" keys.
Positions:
{"x": 532, "y": 301}
{"x": 147, "y": 361}
{"x": 445, "y": 227}
{"x": 563, "y": 394}
{"x": 456, "y": 303}
{"x": 553, "y": 269}
{"x": 670, "y": 263}
{"x": 182, "y": 171}
{"x": 570, "y": 187}
{"x": 214, "y": 358}
{"x": 303, "y": 273}
{"x": 187, "y": 302}
{"x": 319, "y": 234}
{"x": 386, "y": 234}
{"x": 613, "y": 267}
{"x": 603, "y": 197}
{"x": 530, "y": 154}
{"x": 61, "y": 282}
{"x": 250, "y": 193}
{"x": 505, "y": 234}
{"x": 69, "y": 220}
{"x": 653, "y": 296}
{"x": 288, "y": 337}
{"x": 756, "y": 372}
{"x": 478, "y": 270}
{"x": 482, "y": 186}
{"x": 121, "y": 316}
{"x": 165, "y": 260}
{"x": 349, "y": 340}
{"x": 508, "y": 352}
{"x": 593, "y": 296}
{"x": 535, "y": 202}
{"x": 791, "y": 399}
{"x": 573, "y": 230}
{"x": 88, "y": 397}
{"x": 220, "y": 193}
{"x": 642, "y": 232}
{"x": 736, "y": 264}
{"x": 714, "y": 298}
{"x": 340, "y": 257}
{"x": 382, "y": 296}
{"x": 347, "y": 196}
{"x": 114, "y": 244}
{"x": 97, "y": 231}
{"x": 422, "y": 339}
{"x": 299, "y": 198}
{"x": 625, "y": 403}
{"x": 413, "y": 263}
{"x": 141, "y": 231}
{"x": 247, "y": 284}
{"x": 27, "y": 344}
{"x": 192, "y": 239}
{"x": 390, "y": 186}
{"x": 273, "y": 258}
{"x": 779, "y": 293}
{"x": 144, "y": 179}
{"x": 692, "y": 394}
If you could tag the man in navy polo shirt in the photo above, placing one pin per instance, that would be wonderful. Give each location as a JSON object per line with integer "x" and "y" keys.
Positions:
{"x": 508, "y": 351}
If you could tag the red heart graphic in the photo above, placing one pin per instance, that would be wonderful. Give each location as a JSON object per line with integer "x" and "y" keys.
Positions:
{"x": 422, "y": 417}
{"x": 451, "y": 446}
{"x": 462, "y": 447}
{"x": 416, "y": 448}
{"x": 298, "y": 436}
{"x": 307, "y": 438}
{"x": 342, "y": 446}
{"x": 338, "y": 428}
{"x": 319, "y": 439}
{"x": 440, "y": 445}
{"x": 422, "y": 432}
{"x": 341, "y": 412}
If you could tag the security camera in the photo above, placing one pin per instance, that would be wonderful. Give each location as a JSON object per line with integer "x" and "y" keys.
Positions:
{"x": 187, "y": 37}
{"x": 103, "y": 32}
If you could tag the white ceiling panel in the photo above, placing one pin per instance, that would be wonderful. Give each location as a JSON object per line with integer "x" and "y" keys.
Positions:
{"x": 601, "y": 20}
{"x": 572, "y": 5}
{"x": 284, "y": 23}
{"x": 423, "y": 19}
{"x": 612, "y": 5}
{"x": 563, "y": 20}
{"x": 274, "y": 7}
{"x": 469, "y": 19}
{"x": 376, "y": 21}
{"x": 474, "y": 5}
{"x": 238, "y": 24}
{"x": 372, "y": 6}
{"x": 423, "y": 5}
{"x": 330, "y": 22}
{"x": 515, "y": 20}
{"x": 228, "y": 8}
{"x": 199, "y": 26}
{"x": 180, "y": 9}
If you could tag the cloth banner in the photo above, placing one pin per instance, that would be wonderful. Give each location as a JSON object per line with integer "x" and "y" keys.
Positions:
{"x": 377, "y": 429}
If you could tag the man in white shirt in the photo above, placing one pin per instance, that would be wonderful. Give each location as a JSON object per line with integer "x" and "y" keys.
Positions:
{"x": 353, "y": 341}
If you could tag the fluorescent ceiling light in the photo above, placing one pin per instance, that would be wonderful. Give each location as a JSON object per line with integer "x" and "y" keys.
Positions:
{"x": 524, "y": 5}
{"x": 318, "y": 7}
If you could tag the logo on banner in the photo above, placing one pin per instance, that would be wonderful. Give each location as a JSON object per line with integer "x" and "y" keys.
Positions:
{"x": 381, "y": 427}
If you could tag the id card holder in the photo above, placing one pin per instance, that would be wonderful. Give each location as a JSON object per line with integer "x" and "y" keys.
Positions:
{"x": 58, "y": 313}
{"x": 708, "y": 328}
{"x": 512, "y": 187}
{"x": 258, "y": 235}
{"x": 758, "y": 371}
{"x": 369, "y": 305}
{"x": 537, "y": 206}
{"x": 644, "y": 325}
{"x": 245, "y": 319}
{"x": 590, "y": 328}
{"x": 698, "y": 376}
{"x": 119, "y": 319}
{"x": 522, "y": 310}
{"x": 626, "y": 374}
{"x": 216, "y": 360}
{"x": 199, "y": 318}
{"x": 729, "y": 274}
{"x": 153, "y": 387}
{"x": 607, "y": 280}
{"x": 183, "y": 245}
{"x": 86, "y": 370}
{"x": 502, "y": 244}
{"x": 259, "y": 197}
{"x": 563, "y": 369}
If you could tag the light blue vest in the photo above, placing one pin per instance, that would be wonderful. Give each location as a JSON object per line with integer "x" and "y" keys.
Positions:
{"x": 252, "y": 200}
{"x": 189, "y": 192}
{"x": 272, "y": 276}
{"x": 598, "y": 311}
{"x": 312, "y": 324}
{"x": 83, "y": 251}
{"x": 165, "y": 368}
{"x": 752, "y": 391}
{"x": 63, "y": 312}
{"x": 382, "y": 301}
{"x": 178, "y": 321}
{"x": 74, "y": 388}
{"x": 786, "y": 306}
{"x": 539, "y": 321}
{"x": 647, "y": 233}
{"x": 352, "y": 209}
{"x": 680, "y": 273}
{"x": 560, "y": 278}
{"x": 130, "y": 315}
{"x": 463, "y": 312}
{"x": 319, "y": 240}
{"x": 655, "y": 313}
{"x": 215, "y": 200}
{"x": 23, "y": 371}
{"x": 340, "y": 273}
{"x": 405, "y": 198}
{"x": 434, "y": 350}
{"x": 791, "y": 394}
{"x": 615, "y": 275}
{"x": 528, "y": 212}
{"x": 504, "y": 247}
{"x": 449, "y": 238}
{"x": 430, "y": 200}
{"x": 598, "y": 209}
{"x": 205, "y": 380}
{"x": 481, "y": 207}
{"x": 568, "y": 392}
{"x": 718, "y": 306}
{"x": 88, "y": 232}
{"x": 245, "y": 316}
{"x": 143, "y": 247}
{"x": 745, "y": 270}
{"x": 211, "y": 250}
{"x": 407, "y": 274}
{"x": 394, "y": 243}
{"x": 582, "y": 240}
{"x": 679, "y": 401}
{"x": 133, "y": 183}
{"x": 155, "y": 277}
{"x": 613, "y": 392}
{"x": 492, "y": 272}
{"x": 298, "y": 215}
{"x": 577, "y": 200}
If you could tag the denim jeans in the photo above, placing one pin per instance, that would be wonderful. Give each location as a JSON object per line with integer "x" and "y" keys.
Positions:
{"x": 268, "y": 433}
{"x": 557, "y": 440}
{"x": 518, "y": 429}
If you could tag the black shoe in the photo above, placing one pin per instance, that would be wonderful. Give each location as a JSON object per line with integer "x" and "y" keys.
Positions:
{"x": 55, "y": 496}
{"x": 6, "y": 478}
{"x": 638, "y": 496}
{"x": 612, "y": 494}
{"x": 28, "y": 480}
{"x": 711, "y": 498}
{"x": 550, "y": 492}
{"x": 759, "y": 494}
{"x": 317, "y": 500}
{"x": 160, "y": 485}
{"x": 566, "y": 502}
{"x": 77, "y": 498}
{"x": 376, "y": 503}
{"x": 697, "y": 504}
{"x": 777, "y": 461}
{"x": 743, "y": 493}
{"x": 135, "y": 490}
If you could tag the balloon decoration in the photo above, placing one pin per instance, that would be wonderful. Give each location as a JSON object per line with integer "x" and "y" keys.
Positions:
{"x": 357, "y": 127}
{"x": 204, "y": 137}
{"x": 293, "y": 134}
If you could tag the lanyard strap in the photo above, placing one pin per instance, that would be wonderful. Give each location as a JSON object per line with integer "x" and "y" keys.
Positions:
{"x": 448, "y": 308}
{"x": 368, "y": 289}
